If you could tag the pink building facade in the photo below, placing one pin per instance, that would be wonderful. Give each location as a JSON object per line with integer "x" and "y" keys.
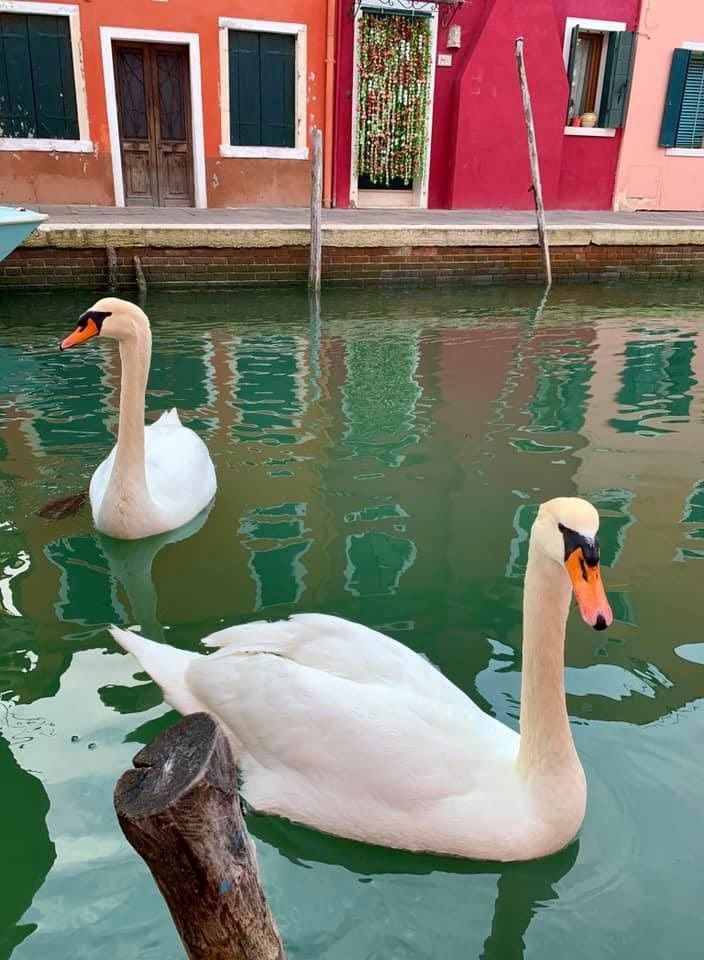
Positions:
{"x": 662, "y": 156}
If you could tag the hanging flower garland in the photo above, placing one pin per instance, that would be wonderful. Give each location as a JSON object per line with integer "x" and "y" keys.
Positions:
{"x": 393, "y": 97}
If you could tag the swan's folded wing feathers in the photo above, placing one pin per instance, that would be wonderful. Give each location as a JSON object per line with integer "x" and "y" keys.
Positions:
{"x": 331, "y": 731}
{"x": 340, "y": 648}
{"x": 168, "y": 418}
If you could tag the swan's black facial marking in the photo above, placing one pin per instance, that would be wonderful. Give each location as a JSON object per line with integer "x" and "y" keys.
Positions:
{"x": 97, "y": 316}
{"x": 589, "y": 548}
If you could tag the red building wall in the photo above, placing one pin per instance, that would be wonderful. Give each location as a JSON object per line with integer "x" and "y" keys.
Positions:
{"x": 479, "y": 155}
{"x": 588, "y": 177}
{"x": 87, "y": 178}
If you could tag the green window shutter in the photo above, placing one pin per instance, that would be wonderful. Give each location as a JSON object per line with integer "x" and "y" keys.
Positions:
{"x": 570, "y": 68}
{"x": 673, "y": 99}
{"x": 690, "y": 129}
{"x": 37, "y": 93}
{"x": 52, "y": 68}
{"x": 617, "y": 78}
{"x": 278, "y": 89}
{"x": 245, "y": 91}
{"x": 17, "y": 114}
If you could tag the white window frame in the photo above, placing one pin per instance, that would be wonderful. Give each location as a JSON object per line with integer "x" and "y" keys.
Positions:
{"x": 698, "y": 47}
{"x": 300, "y": 33}
{"x": 83, "y": 144}
{"x": 190, "y": 40}
{"x": 596, "y": 26}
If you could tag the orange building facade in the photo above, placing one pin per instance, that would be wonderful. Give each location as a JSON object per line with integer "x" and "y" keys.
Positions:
{"x": 162, "y": 102}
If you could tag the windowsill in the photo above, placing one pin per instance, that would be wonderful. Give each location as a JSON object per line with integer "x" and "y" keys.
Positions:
{"x": 265, "y": 153}
{"x": 684, "y": 152}
{"x": 19, "y": 144}
{"x": 590, "y": 131}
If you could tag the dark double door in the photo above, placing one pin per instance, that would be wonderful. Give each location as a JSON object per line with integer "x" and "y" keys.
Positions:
{"x": 153, "y": 106}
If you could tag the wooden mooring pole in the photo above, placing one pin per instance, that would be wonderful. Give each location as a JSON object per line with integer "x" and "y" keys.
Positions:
{"x": 179, "y": 808}
{"x": 534, "y": 165}
{"x": 316, "y": 204}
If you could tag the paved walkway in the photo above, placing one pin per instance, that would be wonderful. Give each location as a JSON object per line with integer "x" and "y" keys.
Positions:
{"x": 297, "y": 218}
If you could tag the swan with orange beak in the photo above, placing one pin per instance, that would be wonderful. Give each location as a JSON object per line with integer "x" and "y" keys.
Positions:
{"x": 156, "y": 478}
{"x": 340, "y": 727}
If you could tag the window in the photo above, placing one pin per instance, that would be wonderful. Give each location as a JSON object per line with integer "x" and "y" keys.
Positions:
{"x": 683, "y": 118}
{"x": 263, "y": 70}
{"x": 599, "y": 59}
{"x": 41, "y": 104}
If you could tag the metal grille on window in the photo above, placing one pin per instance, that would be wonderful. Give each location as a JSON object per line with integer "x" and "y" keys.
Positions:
{"x": 133, "y": 94}
{"x": 170, "y": 97}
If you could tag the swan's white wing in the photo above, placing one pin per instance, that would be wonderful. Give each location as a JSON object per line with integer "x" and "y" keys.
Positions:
{"x": 343, "y": 649}
{"x": 180, "y": 473}
{"x": 348, "y": 756}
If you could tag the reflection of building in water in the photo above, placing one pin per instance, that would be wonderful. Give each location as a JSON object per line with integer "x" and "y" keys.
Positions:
{"x": 276, "y": 538}
{"x": 379, "y": 398}
{"x": 376, "y": 562}
{"x": 643, "y": 424}
{"x": 371, "y": 499}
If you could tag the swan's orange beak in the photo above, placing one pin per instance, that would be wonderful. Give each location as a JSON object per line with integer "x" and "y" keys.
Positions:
{"x": 589, "y": 590}
{"x": 86, "y": 330}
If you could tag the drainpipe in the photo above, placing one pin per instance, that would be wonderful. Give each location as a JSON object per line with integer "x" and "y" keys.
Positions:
{"x": 329, "y": 102}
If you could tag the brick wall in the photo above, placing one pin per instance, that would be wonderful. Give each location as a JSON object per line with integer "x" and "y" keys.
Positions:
{"x": 37, "y": 268}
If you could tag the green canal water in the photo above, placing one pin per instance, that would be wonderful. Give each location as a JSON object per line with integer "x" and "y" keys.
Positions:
{"x": 384, "y": 465}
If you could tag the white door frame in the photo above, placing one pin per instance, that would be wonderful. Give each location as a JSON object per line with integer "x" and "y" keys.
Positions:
{"x": 420, "y": 191}
{"x": 191, "y": 40}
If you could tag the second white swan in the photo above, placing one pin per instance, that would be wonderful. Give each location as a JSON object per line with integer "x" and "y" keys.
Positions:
{"x": 156, "y": 478}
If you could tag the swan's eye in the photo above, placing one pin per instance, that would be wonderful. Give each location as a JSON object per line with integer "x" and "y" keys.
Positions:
{"x": 97, "y": 316}
{"x": 574, "y": 540}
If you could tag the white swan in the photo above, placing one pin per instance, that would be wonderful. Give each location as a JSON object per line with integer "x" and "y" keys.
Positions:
{"x": 155, "y": 478}
{"x": 346, "y": 730}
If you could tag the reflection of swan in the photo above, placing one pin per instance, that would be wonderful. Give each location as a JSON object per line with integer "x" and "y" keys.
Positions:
{"x": 342, "y": 728}
{"x": 154, "y": 479}
{"x": 522, "y": 888}
{"x": 131, "y": 562}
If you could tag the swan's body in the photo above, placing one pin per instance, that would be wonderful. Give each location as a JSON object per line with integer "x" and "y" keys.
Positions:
{"x": 156, "y": 478}
{"x": 342, "y": 728}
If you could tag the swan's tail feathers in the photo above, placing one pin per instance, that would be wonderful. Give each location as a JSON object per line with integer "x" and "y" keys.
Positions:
{"x": 169, "y": 418}
{"x": 166, "y": 665}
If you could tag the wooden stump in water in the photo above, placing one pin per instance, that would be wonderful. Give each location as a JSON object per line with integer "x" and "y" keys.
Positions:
{"x": 179, "y": 808}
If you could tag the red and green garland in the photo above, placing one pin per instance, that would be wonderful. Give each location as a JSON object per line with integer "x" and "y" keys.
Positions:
{"x": 393, "y": 96}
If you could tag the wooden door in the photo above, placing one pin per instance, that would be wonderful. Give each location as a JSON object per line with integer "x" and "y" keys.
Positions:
{"x": 153, "y": 106}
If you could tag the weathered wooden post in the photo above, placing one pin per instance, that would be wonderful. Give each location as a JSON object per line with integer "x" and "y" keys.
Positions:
{"x": 180, "y": 810}
{"x": 316, "y": 204}
{"x": 534, "y": 165}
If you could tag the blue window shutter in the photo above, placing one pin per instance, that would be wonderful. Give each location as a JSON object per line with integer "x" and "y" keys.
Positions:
{"x": 617, "y": 80}
{"x": 17, "y": 114}
{"x": 245, "y": 89}
{"x": 673, "y": 98}
{"x": 278, "y": 85}
{"x": 690, "y": 129}
{"x": 52, "y": 69}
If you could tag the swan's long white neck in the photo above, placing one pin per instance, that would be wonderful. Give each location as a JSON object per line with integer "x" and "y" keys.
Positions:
{"x": 129, "y": 472}
{"x": 546, "y": 739}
